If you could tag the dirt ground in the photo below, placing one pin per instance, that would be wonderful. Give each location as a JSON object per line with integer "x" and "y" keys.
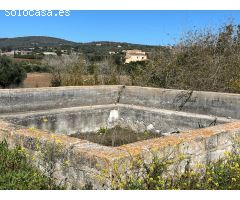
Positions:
{"x": 37, "y": 80}
{"x": 116, "y": 136}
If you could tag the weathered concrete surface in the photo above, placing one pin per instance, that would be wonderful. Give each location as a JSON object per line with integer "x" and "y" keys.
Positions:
{"x": 140, "y": 117}
{"x": 22, "y": 100}
{"x": 91, "y": 118}
{"x": 65, "y": 120}
{"x": 75, "y": 161}
{"x": 86, "y": 160}
{"x": 88, "y": 108}
{"x": 208, "y": 103}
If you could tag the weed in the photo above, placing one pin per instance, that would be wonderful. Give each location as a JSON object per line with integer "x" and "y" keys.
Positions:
{"x": 17, "y": 173}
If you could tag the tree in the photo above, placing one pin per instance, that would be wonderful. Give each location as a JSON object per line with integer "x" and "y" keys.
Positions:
{"x": 108, "y": 71}
{"x": 66, "y": 70}
{"x": 11, "y": 74}
{"x": 203, "y": 60}
{"x": 137, "y": 72}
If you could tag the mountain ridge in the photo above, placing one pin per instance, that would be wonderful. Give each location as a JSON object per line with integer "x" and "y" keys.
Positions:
{"x": 33, "y": 41}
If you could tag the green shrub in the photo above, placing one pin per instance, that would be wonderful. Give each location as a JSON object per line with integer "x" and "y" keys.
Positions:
{"x": 30, "y": 67}
{"x": 30, "y": 56}
{"x": 205, "y": 60}
{"x": 10, "y": 73}
{"x": 223, "y": 174}
{"x": 16, "y": 173}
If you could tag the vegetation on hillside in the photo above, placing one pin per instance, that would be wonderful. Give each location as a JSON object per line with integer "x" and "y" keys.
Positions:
{"x": 32, "y": 41}
{"x": 203, "y": 60}
{"x": 93, "y": 50}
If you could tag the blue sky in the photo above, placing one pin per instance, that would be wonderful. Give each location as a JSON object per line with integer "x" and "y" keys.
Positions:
{"x": 143, "y": 27}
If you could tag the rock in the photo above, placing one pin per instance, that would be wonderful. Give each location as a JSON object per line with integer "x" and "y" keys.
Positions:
{"x": 113, "y": 116}
{"x": 150, "y": 127}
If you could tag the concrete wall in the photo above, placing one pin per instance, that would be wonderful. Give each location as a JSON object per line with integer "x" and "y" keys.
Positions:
{"x": 164, "y": 109}
{"x": 208, "y": 103}
{"x": 87, "y": 160}
{"x": 139, "y": 118}
{"x": 66, "y": 120}
{"x": 69, "y": 108}
{"x": 22, "y": 100}
{"x": 91, "y": 118}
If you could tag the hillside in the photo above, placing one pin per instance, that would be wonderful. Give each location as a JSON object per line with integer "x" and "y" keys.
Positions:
{"x": 43, "y": 41}
{"x": 32, "y": 41}
{"x": 106, "y": 46}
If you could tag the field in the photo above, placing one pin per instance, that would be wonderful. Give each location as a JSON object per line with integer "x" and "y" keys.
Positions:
{"x": 37, "y": 80}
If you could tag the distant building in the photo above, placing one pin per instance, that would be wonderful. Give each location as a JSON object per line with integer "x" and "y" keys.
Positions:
{"x": 22, "y": 52}
{"x": 10, "y": 53}
{"x": 49, "y": 54}
{"x": 135, "y": 55}
{"x": 64, "y": 51}
{"x": 112, "y": 52}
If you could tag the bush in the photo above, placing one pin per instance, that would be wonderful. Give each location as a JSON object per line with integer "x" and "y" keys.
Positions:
{"x": 16, "y": 173}
{"x": 30, "y": 67}
{"x": 203, "y": 60}
{"x": 137, "y": 72}
{"x": 30, "y": 56}
{"x": 10, "y": 73}
{"x": 221, "y": 175}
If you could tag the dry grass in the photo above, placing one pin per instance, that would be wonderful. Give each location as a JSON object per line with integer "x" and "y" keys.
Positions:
{"x": 36, "y": 79}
